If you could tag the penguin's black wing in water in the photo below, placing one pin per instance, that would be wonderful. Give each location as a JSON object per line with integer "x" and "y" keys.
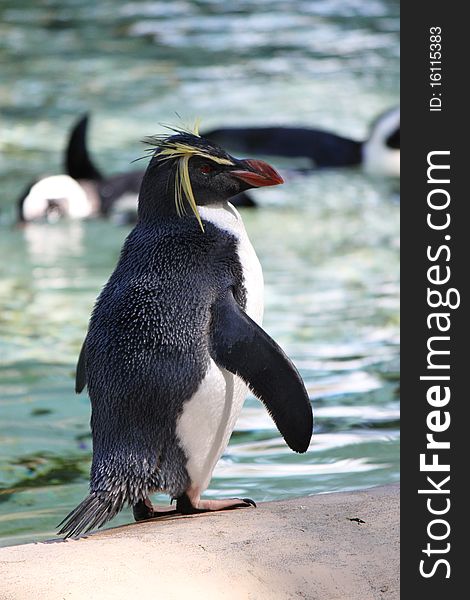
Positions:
{"x": 243, "y": 348}
{"x": 115, "y": 187}
{"x": 80, "y": 375}
{"x": 78, "y": 163}
{"x": 323, "y": 148}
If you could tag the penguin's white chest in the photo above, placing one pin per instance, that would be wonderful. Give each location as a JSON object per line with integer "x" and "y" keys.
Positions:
{"x": 209, "y": 417}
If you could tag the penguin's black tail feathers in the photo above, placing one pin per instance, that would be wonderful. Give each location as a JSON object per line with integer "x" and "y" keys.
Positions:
{"x": 97, "y": 508}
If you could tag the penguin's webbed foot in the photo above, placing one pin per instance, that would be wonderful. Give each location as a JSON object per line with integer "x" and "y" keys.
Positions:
{"x": 144, "y": 509}
{"x": 185, "y": 506}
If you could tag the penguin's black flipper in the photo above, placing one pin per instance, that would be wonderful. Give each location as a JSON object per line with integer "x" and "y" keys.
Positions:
{"x": 80, "y": 375}
{"x": 239, "y": 345}
{"x": 78, "y": 163}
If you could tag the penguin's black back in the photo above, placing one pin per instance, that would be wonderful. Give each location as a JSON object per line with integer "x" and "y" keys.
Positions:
{"x": 148, "y": 350}
{"x": 114, "y": 187}
{"x": 325, "y": 149}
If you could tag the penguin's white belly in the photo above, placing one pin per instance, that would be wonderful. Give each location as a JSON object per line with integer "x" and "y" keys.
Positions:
{"x": 209, "y": 417}
{"x": 207, "y": 421}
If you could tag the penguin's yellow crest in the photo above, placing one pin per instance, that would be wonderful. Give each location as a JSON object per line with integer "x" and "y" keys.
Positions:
{"x": 182, "y": 146}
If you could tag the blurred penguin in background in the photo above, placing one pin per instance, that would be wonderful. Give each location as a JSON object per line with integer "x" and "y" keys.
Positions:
{"x": 378, "y": 155}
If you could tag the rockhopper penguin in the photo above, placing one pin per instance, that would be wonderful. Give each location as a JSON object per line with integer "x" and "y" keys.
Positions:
{"x": 174, "y": 341}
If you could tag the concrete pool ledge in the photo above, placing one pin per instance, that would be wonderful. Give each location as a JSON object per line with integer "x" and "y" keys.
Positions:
{"x": 340, "y": 546}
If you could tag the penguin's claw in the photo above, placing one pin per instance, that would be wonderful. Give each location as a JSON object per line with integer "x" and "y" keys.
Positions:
{"x": 249, "y": 501}
{"x": 242, "y": 503}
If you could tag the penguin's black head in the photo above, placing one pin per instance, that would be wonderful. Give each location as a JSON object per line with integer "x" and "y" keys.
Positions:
{"x": 188, "y": 169}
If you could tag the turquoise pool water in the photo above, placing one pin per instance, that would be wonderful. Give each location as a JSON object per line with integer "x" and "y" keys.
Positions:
{"x": 328, "y": 241}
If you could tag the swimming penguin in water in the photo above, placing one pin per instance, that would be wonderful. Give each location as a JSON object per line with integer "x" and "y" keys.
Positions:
{"x": 378, "y": 155}
{"x": 83, "y": 192}
{"x": 175, "y": 341}
{"x": 56, "y": 197}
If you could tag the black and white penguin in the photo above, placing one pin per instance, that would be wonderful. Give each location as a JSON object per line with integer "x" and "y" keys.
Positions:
{"x": 378, "y": 155}
{"x": 175, "y": 340}
{"x": 83, "y": 192}
{"x": 56, "y": 197}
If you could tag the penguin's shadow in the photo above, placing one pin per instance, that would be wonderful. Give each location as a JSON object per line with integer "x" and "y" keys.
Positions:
{"x": 127, "y": 526}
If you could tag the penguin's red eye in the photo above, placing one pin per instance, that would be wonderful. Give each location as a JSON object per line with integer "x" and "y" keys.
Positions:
{"x": 206, "y": 169}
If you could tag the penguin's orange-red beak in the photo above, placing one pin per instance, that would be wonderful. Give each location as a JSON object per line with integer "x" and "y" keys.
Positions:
{"x": 258, "y": 173}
